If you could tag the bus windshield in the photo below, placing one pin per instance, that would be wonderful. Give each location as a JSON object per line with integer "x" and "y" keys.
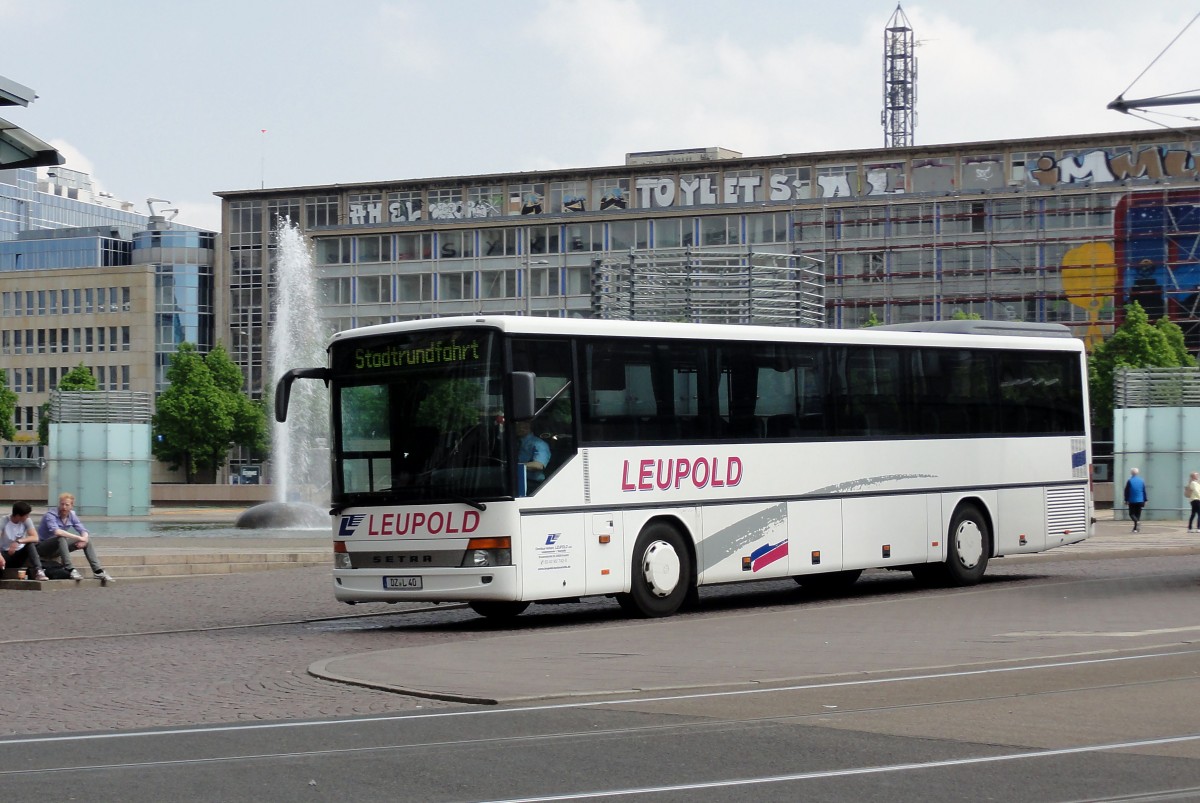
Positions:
{"x": 419, "y": 418}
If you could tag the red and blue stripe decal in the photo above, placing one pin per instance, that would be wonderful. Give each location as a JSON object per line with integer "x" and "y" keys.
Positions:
{"x": 767, "y": 554}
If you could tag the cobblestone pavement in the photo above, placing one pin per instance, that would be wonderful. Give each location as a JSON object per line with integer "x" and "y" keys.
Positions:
{"x": 167, "y": 654}
{"x": 236, "y": 648}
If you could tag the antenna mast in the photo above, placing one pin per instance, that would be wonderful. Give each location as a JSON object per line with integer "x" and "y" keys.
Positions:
{"x": 899, "y": 115}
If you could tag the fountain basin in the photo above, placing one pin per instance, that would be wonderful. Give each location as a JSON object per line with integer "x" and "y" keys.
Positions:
{"x": 283, "y": 516}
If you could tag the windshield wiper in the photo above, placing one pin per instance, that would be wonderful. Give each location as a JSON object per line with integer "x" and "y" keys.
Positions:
{"x": 473, "y": 503}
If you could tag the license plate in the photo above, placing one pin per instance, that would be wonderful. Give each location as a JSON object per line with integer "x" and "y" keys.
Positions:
{"x": 401, "y": 582}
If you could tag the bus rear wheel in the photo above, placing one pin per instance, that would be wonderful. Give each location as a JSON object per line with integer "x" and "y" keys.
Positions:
{"x": 498, "y": 610}
{"x": 661, "y": 573}
{"x": 968, "y": 546}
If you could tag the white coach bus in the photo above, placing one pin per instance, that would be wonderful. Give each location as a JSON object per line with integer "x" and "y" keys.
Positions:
{"x": 675, "y": 456}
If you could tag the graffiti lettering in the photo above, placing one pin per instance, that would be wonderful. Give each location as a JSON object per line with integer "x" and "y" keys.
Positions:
{"x": 402, "y": 212}
{"x": 446, "y": 210}
{"x": 366, "y": 213}
{"x": 1099, "y": 166}
{"x": 690, "y": 187}
{"x": 833, "y": 186}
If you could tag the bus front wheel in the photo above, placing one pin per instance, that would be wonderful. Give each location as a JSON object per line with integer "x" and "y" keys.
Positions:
{"x": 498, "y": 610}
{"x": 968, "y": 545}
{"x": 661, "y": 573}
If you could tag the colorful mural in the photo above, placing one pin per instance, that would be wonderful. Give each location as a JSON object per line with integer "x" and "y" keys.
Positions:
{"x": 1089, "y": 278}
{"x": 1157, "y": 239}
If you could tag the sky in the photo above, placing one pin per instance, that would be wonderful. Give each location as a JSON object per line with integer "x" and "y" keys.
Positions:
{"x": 182, "y": 100}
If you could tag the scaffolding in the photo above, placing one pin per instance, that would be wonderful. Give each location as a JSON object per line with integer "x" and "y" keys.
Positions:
{"x": 1076, "y": 257}
{"x": 899, "y": 115}
{"x": 711, "y": 286}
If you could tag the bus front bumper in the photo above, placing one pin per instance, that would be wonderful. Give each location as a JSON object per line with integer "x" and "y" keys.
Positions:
{"x": 497, "y": 583}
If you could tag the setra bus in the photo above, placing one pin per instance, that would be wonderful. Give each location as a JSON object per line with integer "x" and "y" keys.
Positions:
{"x": 677, "y": 455}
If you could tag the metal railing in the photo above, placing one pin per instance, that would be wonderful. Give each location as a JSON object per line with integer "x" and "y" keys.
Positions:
{"x": 710, "y": 286}
{"x": 101, "y": 407}
{"x": 1156, "y": 387}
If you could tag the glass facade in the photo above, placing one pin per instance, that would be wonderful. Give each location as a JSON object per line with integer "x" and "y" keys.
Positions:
{"x": 183, "y": 292}
{"x": 82, "y": 281}
{"x": 27, "y": 204}
{"x": 63, "y": 252}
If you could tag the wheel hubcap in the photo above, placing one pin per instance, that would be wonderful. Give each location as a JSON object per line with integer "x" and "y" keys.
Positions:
{"x": 969, "y": 540}
{"x": 660, "y": 568}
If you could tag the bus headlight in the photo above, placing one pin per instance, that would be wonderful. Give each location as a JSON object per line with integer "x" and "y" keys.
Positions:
{"x": 341, "y": 557}
{"x": 483, "y": 552}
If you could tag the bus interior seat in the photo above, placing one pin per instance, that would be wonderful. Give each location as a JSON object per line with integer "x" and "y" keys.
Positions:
{"x": 781, "y": 426}
{"x": 561, "y": 449}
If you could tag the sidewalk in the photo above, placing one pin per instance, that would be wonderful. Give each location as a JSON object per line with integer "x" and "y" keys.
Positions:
{"x": 216, "y": 546}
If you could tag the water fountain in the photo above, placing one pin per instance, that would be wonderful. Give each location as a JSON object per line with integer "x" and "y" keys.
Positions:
{"x": 299, "y": 450}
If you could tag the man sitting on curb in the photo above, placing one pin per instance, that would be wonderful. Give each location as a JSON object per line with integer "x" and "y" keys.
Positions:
{"x": 58, "y": 542}
{"x": 18, "y": 542}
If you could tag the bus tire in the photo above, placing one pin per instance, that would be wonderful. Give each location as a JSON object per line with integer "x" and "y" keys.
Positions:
{"x": 498, "y": 610}
{"x": 660, "y": 575}
{"x": 828, "y": 582}
{"x": 968, "y": 546}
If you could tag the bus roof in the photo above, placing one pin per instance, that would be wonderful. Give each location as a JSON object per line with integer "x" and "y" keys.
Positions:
{"x": 980, "y": 327}
{"x": 960, "y": 333}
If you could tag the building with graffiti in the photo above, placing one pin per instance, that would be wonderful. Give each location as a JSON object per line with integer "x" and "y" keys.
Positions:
{"x": 1065, "y": 229}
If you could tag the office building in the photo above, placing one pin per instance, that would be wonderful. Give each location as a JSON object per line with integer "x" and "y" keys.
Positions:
{"x": 1064, "y": 229}
{"x": 84, "y": 279}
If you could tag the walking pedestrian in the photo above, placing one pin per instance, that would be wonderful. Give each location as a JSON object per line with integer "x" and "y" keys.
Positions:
{"x": 1136, "y": 498}
{"x": 1192, "y": 492}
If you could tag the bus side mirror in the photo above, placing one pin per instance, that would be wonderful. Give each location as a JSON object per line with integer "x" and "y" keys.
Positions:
{"x": 283, "y": 389}
{"x": 524, "y": 404}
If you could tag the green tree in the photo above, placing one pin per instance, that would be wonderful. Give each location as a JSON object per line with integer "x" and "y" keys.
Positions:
{"x": 78, "y": 378}
{"x": 203, "y": 411}
{"x": 450, "y": 406}
{"x": 250, "y": 428}
{"x": 1135, "y": 344}
{"x": 8, "y": 407}
{"x": 1174, "y": 336}
{"x": 959, "y": 315}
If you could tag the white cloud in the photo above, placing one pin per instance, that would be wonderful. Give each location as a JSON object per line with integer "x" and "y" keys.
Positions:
{"x": 201, "y": 214}
{"x": 75, "y": 160}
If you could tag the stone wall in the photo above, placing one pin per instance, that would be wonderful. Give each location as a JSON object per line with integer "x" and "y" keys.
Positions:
{"x": 161, "y": 495}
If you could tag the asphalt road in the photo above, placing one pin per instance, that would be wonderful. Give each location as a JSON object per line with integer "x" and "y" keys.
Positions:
{"x": 199, "y": 691}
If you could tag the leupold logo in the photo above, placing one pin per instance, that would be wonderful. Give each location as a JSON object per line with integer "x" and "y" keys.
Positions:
{"x": 349, "y": 523}
{"x": 551, "y": 538}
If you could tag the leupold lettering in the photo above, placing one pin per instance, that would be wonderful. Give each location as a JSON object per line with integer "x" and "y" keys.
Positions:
{"x": 419, "y": 523}
{"x": 674, "y": 473}
{"x": 396, "y": 357}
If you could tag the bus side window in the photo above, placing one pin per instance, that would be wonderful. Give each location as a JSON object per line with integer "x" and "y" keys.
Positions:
{"x": 550, "y": 361}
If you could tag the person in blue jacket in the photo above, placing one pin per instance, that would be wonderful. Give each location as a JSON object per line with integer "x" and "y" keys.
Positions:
{"x": 532, "y": 451}
{"x": 1136, "y": 498}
